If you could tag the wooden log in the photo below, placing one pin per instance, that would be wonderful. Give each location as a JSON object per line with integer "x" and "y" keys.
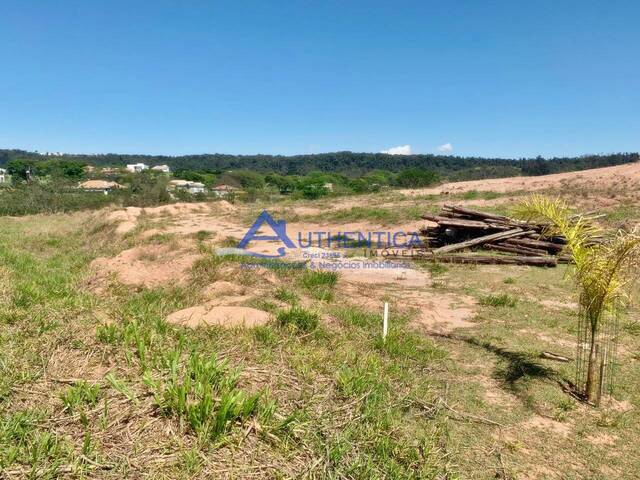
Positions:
{"x": 497, "y": 260}
{"x": 555, "y": 356}
{"x": 455, "y": 222}
{"x": 483, "y": 215}
{"x": 478, "y": 214}
{"x": 528, "y": 242}
{"x": 528, "y": 250}
{"x": 431, "y": 217}
{"x": 492, "y": 218}
{"x": 478, "y": 259}
{"x": 518, "y": 251}
{"x": 516, "y": 232}
{"x": 565, "y": 259}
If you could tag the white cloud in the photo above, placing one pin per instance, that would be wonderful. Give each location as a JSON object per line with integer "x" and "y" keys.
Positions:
{"x": 446, "y": 148}
{"x": 400, "y": 150}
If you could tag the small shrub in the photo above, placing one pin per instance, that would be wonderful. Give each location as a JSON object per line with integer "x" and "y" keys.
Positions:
{"x": 300, "y": 318}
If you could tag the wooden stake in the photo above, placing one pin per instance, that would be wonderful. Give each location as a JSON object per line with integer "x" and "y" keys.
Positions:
{"x": 385, "y": 321}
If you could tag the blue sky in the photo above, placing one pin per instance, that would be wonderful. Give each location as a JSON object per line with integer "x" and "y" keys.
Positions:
{"x": 502, "y": 78}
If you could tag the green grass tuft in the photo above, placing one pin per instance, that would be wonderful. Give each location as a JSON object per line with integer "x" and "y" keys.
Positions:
{"x": 502, "y": 300}
{"x": 300, "y": 318}
{"x": 286, "y": 295}
{"x": 82, "y": 393}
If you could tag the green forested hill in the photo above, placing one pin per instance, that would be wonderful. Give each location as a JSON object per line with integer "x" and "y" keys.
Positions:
{"x": 351, "y": 163}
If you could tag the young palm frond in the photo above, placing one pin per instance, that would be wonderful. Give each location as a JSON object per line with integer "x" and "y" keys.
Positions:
{"x": 603, "y": 270}
{"x": 607, "y": 272}
{"x": 559, "y": 218}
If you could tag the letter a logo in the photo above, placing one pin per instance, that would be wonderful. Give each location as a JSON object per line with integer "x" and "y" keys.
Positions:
{"x": 279, "y": 228}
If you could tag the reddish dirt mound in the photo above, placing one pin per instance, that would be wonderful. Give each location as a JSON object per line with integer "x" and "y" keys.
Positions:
{"x": 602, "y": 177}
{"x": 147, "y": 265}
{"x": 224, "y": 316}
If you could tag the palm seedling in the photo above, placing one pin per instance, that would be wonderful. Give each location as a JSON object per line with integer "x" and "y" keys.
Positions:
{"x": 605, "y": 265}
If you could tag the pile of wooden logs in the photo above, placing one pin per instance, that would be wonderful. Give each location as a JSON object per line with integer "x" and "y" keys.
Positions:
{"x": 512, "y": 241}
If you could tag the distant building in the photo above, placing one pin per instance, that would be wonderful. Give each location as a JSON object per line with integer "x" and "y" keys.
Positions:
{"x": 328, "y": 187}
{"x": 102, "y": 186}
{"x": 137, "y": 167}
{"x": 178, "y": 183}
{"x": 3, "y": 176}
{"x": 195, "y": 187}
{"x": 186, "y": 185}
{"x": 223, "y": 190}
{"x": 161, "y": 168}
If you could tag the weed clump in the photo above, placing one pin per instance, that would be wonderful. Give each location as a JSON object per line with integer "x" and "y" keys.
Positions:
{"x": 320, "y": 284}
{"x": 204, "y": 393}
{"x": 502, "y": 300}
{"x": 82, "y": 393}
{"x": 300, "y": 318}
{"x": 286, "y": 295}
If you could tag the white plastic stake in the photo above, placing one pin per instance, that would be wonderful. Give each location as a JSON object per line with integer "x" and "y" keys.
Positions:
{"x": 385, "y": 321}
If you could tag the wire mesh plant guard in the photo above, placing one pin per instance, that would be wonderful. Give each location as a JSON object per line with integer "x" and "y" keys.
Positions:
{"x": 605, "y": 265}
{"x": 601, "y": 342}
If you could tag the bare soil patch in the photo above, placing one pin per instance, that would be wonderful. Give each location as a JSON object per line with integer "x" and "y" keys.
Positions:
{"x": 440, "y": 312}
{"x": 225, "y": 316}
{"x": 544, "y": 423}
{"x": 147, "y": 265}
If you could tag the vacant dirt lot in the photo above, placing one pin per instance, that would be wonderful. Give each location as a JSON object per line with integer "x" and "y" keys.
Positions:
{"x": 130, "y": 349}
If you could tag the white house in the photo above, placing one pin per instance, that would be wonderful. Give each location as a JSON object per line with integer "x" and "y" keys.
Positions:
{"x": 178, "y": 183}
{"x": 191, "y": 187}
{"x": 195, "y": 187}
{"x": 3, "y": 175}
{"x": 137, "y": 167}
{"x": 161, "y": 168}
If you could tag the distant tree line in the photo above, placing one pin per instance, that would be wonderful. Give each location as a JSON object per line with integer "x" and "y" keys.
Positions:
{"x": 351, "y": 164}
{"x": 49, "y": 183}
{"x": 24, "y": 168}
